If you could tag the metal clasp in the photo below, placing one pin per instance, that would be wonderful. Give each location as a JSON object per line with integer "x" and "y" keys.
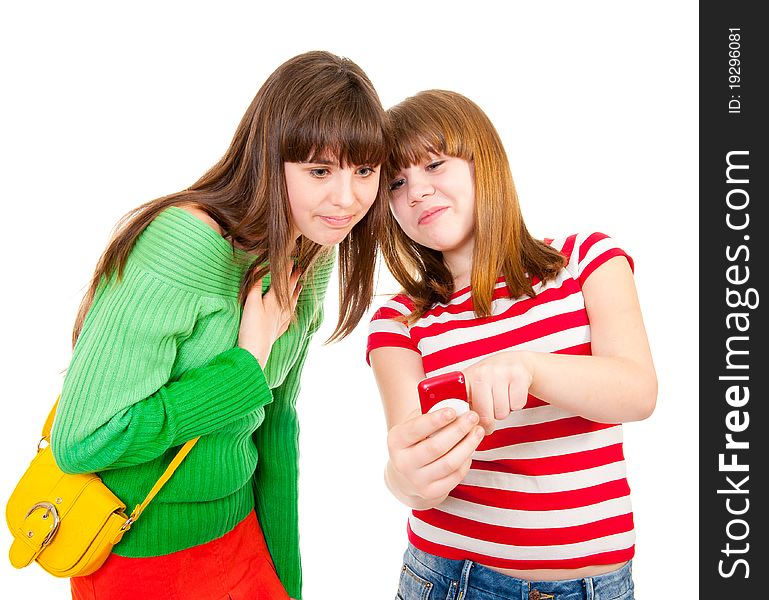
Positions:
{"x": 50, "y": 509}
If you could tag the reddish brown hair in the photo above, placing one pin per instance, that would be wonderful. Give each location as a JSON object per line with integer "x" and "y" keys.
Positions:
{"x": 315, "y": 104}
{"x": 443, "y": 122}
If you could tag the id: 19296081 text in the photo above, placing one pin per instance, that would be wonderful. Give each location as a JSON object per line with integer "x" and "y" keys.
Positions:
{"x": 735, "y": 49}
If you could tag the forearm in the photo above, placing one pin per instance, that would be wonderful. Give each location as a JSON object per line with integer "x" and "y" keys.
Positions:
{"x": 124, "y": 432}
{"x": 603, "y": 389}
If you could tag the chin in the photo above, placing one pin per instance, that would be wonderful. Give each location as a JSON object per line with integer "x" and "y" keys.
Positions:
{"x": 436, "y": 245}
{"x": 327, "y": 238}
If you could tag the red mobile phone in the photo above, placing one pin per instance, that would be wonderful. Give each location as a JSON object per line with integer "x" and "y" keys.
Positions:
{"x": 443, "y": 391}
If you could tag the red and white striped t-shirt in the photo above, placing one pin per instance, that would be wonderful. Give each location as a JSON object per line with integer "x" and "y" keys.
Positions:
{"x": 547, "y": 489}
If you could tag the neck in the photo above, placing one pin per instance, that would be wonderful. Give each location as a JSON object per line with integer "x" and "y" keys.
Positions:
{"x": 460, "y": 265}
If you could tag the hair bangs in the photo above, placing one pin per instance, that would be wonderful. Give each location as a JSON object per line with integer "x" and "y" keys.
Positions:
{"x": 413, "y": 148}
{"x": 351, "y": 133}
{"x": 422, "y": 126}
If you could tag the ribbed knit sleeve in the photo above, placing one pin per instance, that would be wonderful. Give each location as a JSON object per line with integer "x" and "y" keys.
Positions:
{"x": 277, "y": 441}
{"x": 124, "y": 401}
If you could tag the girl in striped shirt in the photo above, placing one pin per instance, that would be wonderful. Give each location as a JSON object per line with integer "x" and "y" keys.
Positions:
{"x": 525, "y": 495}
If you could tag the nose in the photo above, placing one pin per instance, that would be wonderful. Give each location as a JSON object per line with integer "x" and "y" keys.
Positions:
{"x": 419, "y": 188}
{"x": 344, "y": 194}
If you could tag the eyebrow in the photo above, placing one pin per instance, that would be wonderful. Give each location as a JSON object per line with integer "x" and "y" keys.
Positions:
{"x": 321, "y": 161}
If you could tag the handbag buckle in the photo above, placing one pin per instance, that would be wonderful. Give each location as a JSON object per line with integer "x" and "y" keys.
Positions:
{"x": 127, "y": 525}
{"x": 50, "y": 510}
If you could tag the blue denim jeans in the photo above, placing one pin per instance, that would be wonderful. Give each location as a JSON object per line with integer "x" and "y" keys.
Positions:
{"x": 428, "y": 577}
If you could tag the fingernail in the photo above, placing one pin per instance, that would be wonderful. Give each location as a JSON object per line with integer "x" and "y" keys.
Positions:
{"x": 479, "y": 433}
{"x": 449, "y": 414}
{"x": 472, "y": 417}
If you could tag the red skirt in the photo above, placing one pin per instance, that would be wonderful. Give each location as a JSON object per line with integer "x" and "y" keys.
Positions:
{"x": 236, "y": 566}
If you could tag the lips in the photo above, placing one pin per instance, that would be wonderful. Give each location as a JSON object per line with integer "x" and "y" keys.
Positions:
{"x": 430, "y": 215}
{"x": 336, "y": 222}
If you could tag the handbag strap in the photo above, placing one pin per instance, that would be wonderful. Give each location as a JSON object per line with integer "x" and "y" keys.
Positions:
{"x": 49, "y": 422}
{"x": 139, "y": 508}
{"x": 137, "y": 511}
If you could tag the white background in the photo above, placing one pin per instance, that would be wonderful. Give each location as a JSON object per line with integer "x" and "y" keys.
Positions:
{"x": 103, "y": 108}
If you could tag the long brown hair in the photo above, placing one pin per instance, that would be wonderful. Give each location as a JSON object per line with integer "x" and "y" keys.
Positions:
{"x": 443, "y": 122}
{"x": 314, "y": 105}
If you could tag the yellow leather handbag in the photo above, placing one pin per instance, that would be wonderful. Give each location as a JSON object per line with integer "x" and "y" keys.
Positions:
{"x": 66, "y": 523}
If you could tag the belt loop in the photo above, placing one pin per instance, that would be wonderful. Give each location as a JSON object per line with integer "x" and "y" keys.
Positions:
{"x": 589, "y": 591}
{"x": 464, "y": 580}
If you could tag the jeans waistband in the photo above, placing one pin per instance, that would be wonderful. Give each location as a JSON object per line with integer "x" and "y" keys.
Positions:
{"x": 611, "y": 585}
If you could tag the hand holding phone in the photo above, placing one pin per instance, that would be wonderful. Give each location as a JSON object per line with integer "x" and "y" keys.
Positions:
{"x": 443, "y": 391}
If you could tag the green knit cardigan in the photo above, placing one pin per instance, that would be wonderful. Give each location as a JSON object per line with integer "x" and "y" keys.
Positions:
{"x": 156, "y": 364}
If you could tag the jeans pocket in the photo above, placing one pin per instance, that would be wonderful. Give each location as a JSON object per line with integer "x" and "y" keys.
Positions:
{"x": 413, "y": 587}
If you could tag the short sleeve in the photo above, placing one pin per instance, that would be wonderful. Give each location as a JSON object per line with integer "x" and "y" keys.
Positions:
{"x": 587, "y": 252}
{"x": 388, "y": 327}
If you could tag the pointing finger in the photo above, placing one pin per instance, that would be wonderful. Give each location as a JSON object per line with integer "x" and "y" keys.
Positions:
{"x": 482, "y": 402}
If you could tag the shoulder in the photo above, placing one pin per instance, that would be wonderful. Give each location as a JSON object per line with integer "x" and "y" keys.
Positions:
{"x": 185, "y": 249}
{"x": 577, "y": 242}
{"x": 585, "y": 252}
{"x": 388, "y": 327}
{"x": 186, "y": 226}
{"x": 202, "y": 215}
{"x": 396, "y": 307}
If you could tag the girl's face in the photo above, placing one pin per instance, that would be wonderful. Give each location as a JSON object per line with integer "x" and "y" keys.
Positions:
{"x": 327, "y": 200}
{"x": 434, "y": 201}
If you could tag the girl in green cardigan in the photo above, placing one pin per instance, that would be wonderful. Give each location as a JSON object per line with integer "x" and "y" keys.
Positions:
{"x": 197, "y": 323}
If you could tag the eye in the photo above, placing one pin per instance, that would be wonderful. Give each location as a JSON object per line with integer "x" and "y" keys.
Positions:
{"x": 366, "y": 171}
{"x": 397, "y": 184}
{"x": 434, "y": 165}
{"x": 319, "y": 172}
